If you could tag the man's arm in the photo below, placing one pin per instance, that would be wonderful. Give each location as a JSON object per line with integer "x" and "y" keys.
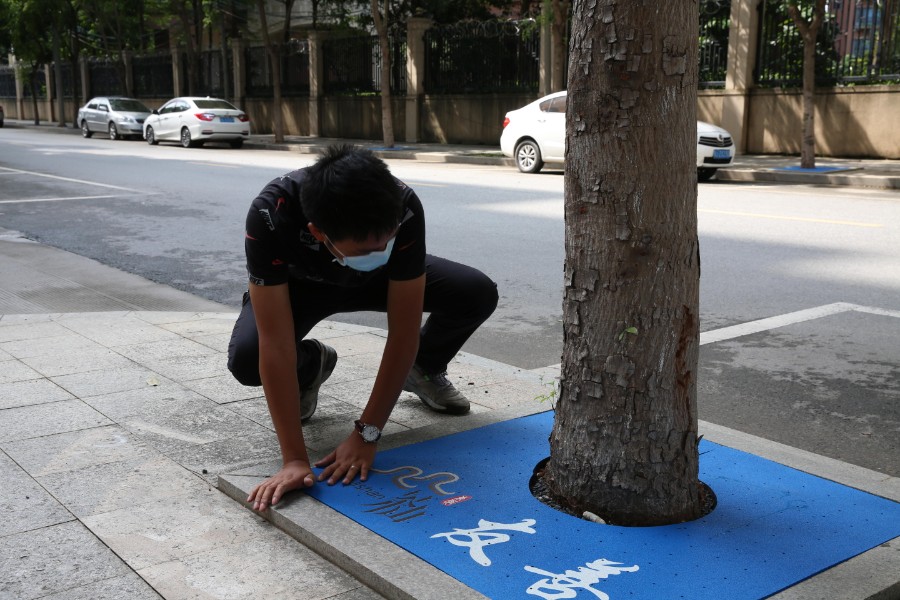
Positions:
{"x": 278, "y": 371}
{"x": 405, "y": 303}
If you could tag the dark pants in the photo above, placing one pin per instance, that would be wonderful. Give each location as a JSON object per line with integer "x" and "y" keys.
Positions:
{"x": 458, "y": 297}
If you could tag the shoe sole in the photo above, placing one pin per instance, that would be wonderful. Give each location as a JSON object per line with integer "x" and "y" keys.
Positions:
{"x": 325, "y": 353}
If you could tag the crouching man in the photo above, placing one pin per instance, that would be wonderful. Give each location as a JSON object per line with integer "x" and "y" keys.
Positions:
{"x": 339, "y": 236}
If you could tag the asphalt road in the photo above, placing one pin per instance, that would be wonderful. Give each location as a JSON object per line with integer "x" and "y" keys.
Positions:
{"x": 175, "y": 216}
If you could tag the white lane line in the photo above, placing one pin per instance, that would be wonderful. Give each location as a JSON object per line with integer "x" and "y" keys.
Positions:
{"x": 106, "y": 185}
{"x": 728, "y": 333}
{"x": 30, "y": 200}
{"x": 760, "y": 325}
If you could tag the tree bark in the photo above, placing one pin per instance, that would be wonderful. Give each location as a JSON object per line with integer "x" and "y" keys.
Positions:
{"x": 808, "y": 31}
{"x": 275, "y": 64}
{"x": 387, "y": 116}
{"x": 624, "y": 441}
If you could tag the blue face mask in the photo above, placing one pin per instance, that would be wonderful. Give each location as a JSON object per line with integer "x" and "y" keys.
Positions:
{"x": 366, "y": 262}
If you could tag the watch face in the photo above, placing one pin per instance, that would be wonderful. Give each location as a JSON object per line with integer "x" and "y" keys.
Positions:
{"x": 369, "y": 433}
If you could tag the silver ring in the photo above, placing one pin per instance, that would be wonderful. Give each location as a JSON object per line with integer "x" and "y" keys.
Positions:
{"x": 353, "y": 467}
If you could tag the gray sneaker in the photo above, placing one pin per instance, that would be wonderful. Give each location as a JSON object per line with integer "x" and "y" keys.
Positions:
{"x": 436, "y": 392}
{"x": 309, "y": 396}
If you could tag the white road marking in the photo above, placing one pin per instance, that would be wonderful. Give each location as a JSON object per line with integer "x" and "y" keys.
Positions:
{"x": 94, "y": 183}
{"x": 728, "y": 333}
{"x": 30, "y": 200}
{"x": 760, "y": 325}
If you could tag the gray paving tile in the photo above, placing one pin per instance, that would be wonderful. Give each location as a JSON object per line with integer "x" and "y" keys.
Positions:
{"x": 53, "y": 365}
{"x": 217, "y": 341}
{"x": 159, "y": 532}
{"x": 30, "y": 392}
{"x": 214, "y": 458}
{"x": 169, "y": 318}
{"x": 184, "y": 368}
{"x": 118, "y": 331}
{"x": 130, "y": 587}
{"x": 28, "y": 422}
{"x": 97, "y": 383}
{"x": 103, "y": 488}
{"x": 23, "y": 319}
{"x": 360, "y": 593}
{"x": 4, "y": 355}
{"x": 213, "y": 324}
{"x": 76, "y": 450}
{"x": 351, "y": 345}
{"x": 55, "y": 559}
{"x": 412, "y": 412}
{"x": 351, "y": 370}
{"x": 176, "y": 423}
{"x": 270, "y": 567}
{"x": 59, "y": 345}
{"x": 31, "y": 330}
{"x": 257, "y": 410}
{"x": 24, "y": 504}
{"x": 509, "y": 394}
{"x": 154, "y": 351}
{"x": 223, "y": 389}
{"x": 121, "y": 405}
{"x": 15, "y": 370}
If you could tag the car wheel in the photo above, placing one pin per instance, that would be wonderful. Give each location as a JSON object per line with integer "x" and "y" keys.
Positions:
{"x": 85, "y": 132}
{"x": 237, "y": 143}
{"x": 705, "y": 174}
{"x": 151, "y": 137}
{"x": 528, "y": 157}
{"x": 186, "y": 140}
{"x": 113, "y": 132}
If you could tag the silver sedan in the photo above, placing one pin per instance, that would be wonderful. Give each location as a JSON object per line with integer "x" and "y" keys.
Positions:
{"x": 117, "y": 116}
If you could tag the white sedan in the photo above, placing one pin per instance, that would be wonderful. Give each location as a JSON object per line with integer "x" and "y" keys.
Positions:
{"x": 193, "y": 121}
{"x": 536, "y": 134}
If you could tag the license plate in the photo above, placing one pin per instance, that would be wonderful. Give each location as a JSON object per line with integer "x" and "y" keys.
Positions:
{"x": 231, "y": 120}
{"x": 721, "y": 153}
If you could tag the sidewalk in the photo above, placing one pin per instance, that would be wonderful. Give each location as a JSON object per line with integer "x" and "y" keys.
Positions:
{"x": 118, "y": 420}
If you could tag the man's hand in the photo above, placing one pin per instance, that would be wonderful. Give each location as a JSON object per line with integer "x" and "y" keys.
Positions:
{"x": 293, "y": 475}
{"x": 353, "y": 457}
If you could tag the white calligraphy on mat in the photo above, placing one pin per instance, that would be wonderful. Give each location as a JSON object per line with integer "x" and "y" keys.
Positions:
{"x": 485, "y": 535}
{"x": 566, "y": 585}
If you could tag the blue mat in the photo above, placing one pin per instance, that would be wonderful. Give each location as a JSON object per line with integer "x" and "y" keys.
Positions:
{"x": 462, "y": 503}
{"x": 825, "y": 169}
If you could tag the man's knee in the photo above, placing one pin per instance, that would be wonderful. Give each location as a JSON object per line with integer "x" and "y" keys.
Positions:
{"x": 244, "y": 366}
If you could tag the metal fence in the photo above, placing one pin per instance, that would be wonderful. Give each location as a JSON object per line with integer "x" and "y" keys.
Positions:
{"x": 294, "y": 71}
{"x": 859, "y": 42}
{"x": 153, "y": 76}
{"x": 7, "y": 82}
{"x": 353, "y": 64}
{"x": 713, "y": 48}
{"x": 106, "y": 77}
{"x": 482, "y": 57}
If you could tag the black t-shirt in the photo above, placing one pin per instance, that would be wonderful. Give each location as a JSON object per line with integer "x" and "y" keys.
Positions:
{"x": 279, "y": 245}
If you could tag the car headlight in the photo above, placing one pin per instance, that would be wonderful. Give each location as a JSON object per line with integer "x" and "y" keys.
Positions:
{"x": 127, "y": 120}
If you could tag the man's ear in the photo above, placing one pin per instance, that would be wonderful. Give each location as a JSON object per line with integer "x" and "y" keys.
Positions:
{"x": 316, "y": 232}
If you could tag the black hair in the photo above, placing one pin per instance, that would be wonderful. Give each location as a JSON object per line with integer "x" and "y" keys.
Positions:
{"x": 349, "y": 193}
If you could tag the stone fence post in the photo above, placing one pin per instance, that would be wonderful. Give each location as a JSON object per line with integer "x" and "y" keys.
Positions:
{"x": 316, "y": 81}
{"x": 415, "y": 73}
{"x": 238, "y": 60}
{"x": 742, "y": 42}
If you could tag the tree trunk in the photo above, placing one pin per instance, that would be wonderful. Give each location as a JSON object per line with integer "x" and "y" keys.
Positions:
{"x": 275, "y": 65}
{"x": 387, "y": 116}
{"x": 34, "y": 91}
{"x": 58, "y": 77}
{"x": 808, "y": 31}
{"x": 624, "y": 441}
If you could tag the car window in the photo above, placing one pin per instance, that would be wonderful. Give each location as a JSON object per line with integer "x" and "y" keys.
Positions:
{"x": 545, "y": 105}
{"x": 128, "y": 105}
{"x": 103, "y": 107}
{"x": 92, "y": 106}
{"x": 213, "y": 103}
{"x": 558, "y": 105}
{"x": 182, "y": 106}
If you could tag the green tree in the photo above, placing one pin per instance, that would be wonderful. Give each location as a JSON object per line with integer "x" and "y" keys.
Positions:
{"x": 808, "y": 26}
{"x": 31, "y": 40}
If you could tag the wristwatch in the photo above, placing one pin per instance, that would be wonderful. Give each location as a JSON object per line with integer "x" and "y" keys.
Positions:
{"x": 369, "y": 433}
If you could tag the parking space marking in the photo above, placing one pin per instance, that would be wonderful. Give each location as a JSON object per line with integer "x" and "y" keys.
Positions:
{"x": 785, "y": 218}
{"x": 209, "y": 164}
{"x": 70, "y": 179}
{"x": 30, "y": 200}
{"x": 760, "y": 325}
